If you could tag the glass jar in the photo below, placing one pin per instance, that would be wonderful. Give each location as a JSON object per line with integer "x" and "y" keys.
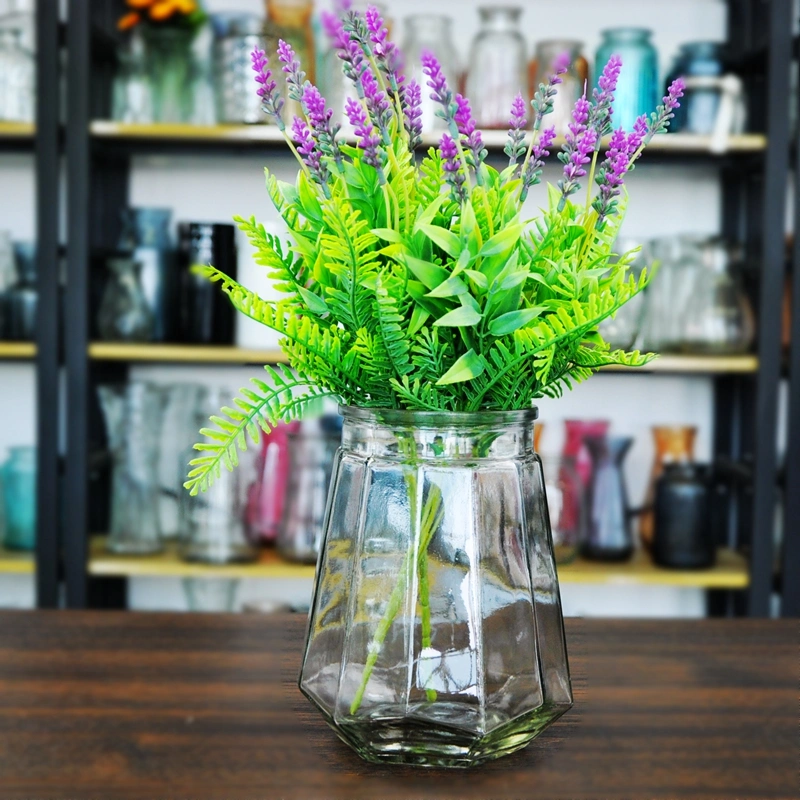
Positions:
{"x": 434, "y": 33}
{"x": 170, "y": 60}
{"x": 621, "y": 330}
{"x": 20, "y": 15}
{"x": 133, "y": 426}
{"x": 497, "y": 66}
{"x": 237, "y": 101}
{"x": 132, "y": 100}
{"x": 436, "y": 546}
{"x": 573, "y": 80}
{"x": 637, "y": 88}
{"x": 565, "y": 505}
{"x": 697, "y": 112}
{"x": 674, "y": 444}
{"x": 18, "y": 480}
{"x": 17, "y": 76}
{"x": 311, "y": 452}
{"x": 717, "y": 318}
{"x": 22, "y": 299}
{"x": 124, "y": 315}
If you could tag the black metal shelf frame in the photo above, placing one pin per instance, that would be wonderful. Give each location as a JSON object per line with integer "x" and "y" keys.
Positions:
{"x": 745, "y": 406}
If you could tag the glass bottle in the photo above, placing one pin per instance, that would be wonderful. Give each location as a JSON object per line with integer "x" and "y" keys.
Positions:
{"x": 717, "y": 318}
{"x": 435, "y": 546}
{"x": 132, "y": 100}
{"x": 497, "y": 66}
{"x": 17, "y": 76}
{"x": 684, "y": 535}
{"x": 311, "y": 452}
{"x": 621, "y": 330}
{"x": 573, "y": 81}
{"x": 145, "y": 235}
{"x": 608, "y": 530}
{"x": 697, "y": 112}
{"x": 23, "y": 299}
{"x": 430, "y": 32}
{"x": 133, "y": 426}
{"x": 565, "y": 505}
{"x": 18, "y": 480}
{"x": 124, "y": 315}
{"x": 674, "y": 444}
{"x": 20, "y": 16}
{"x": 210, "y": 595}
{"x": 637, "y": 89}
{"x": 8, "y": 277}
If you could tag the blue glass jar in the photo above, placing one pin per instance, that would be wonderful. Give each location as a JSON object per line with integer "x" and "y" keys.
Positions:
{"x": 698, "y": 110}
{"x": 18, "y": 477}
{"x": 637, "y": 90}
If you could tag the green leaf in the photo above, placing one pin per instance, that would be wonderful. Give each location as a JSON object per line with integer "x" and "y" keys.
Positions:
{"x": 508, "y": 323}
{"x": 427, "y": 215}
{"x": 444, "y": 239}
{"x": 502, "y": 241}
{"x": 429, "y": 274}
{"x": 462, "y": 317}
{"x": 452, "y": 287}
{"x": 314, "y": 303}
{"x": 469, "y": 366}
{"x": 419, "y": 316}
{"x": 388, "y": 235}
{"x": 479, "y": 278}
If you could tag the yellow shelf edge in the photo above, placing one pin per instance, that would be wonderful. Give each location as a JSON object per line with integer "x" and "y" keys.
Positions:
{"x": 175, "y": 353}
{"x": 17, "y": 130}
{"x": 17, "y": 350}
{"x": 16, "y": 563}
{"x": 730, "y": 572}
{"x": 694, "y": 364}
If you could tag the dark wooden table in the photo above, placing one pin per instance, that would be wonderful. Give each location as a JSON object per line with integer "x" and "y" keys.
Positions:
{"x": 109, "y": 705}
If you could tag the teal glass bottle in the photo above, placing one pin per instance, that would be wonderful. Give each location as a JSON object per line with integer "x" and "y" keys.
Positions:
{"x": 637, "y": 89}
{"x": 18, "y": 477}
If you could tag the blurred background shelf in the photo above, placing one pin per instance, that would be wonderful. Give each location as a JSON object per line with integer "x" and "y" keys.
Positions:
{"x": 261, "y": 135}
{"x": 701, "y": 365}
{"x": 17, "y": 130}
{"x": 17, "y": 350}
{"x": 183, "y": 353}
{"x": 16, "y": 562}
{"x": 730, "y": 571}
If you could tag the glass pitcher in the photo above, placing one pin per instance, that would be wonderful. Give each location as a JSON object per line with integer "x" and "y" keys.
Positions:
{"x": 124, "y": 315}
{"x": 133, "y": 416}
{"x": 572, "y": 82}
{"x": 608, "y": 530}
{"x": 497, "y": 66}
{"x": 431, "y": 32}
{"x": 18, "y": 480}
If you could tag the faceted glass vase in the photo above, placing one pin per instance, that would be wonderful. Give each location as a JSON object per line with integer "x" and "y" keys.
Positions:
{"x": 435, "y": 632}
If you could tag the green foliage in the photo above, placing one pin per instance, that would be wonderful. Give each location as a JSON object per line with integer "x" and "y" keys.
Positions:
{"x": 397, "y": 296}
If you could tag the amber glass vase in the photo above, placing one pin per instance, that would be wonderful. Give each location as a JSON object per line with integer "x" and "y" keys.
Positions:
{"x": 674, "y": 445}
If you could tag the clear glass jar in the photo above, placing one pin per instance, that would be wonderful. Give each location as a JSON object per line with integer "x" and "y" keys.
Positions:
{"x": 572, "y": 82}
{"x": 621, "y": 330}
{"x": 170, "y": 62}
{"x": 23, "y": 298}
{"x": 17, "y": 78}
{"x": 497, "y": 66}
{"x": 430, "y": 32}
{"x": 436, "y": 547}
{"x": 237, "y": 101}
{"x": 124, "y": 315}
{"x": 18, "y": 482}
{"x": 132, "y": 100}
{"x": 637, "y": 88}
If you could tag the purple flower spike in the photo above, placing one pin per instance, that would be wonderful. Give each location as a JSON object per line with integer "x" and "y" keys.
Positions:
{"x": 377, "y": 105}
{"x": 533, "y": 170}
{"x": 309, "y": 153}
{"x": 271, "y": 100}
{"x": 546, "y": 93}
{"x": 367, "y": 141}
{"x": 659, "y": 119}
{"x": 636, "y": 139}
{"x": 348, "y": 50}
{"x": 603, "y": 95}
{"x": 387, "y": 57}
{"x": 611, "y": 176}
{"x": 579, "y": 144}
{"x": 319, "y": 118}
{"x": 295, "y": 77}
{"x": 515, "y": 146}
{"x": 440, "y": 91}
{"x": 411, "y": 97}
{"x": 466, "y": 128}
{"x": 451, "y": 164}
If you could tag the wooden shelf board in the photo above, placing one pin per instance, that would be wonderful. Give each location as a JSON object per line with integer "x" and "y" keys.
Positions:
{"x": 17, "y": 130}
{"x": 695, "y": 365}
{"x": 679, "y": 143}
{"x": 17, "y": 562}
{"x": 17, "y": 350}
{"x": 183, "y": 353}
{"x": 730, "y": 571}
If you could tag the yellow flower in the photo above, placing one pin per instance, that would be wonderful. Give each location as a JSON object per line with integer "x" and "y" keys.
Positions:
{"x": 162, "y": 10}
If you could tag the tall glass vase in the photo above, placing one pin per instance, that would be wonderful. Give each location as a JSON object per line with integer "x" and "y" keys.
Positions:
{"x": 435, "y": 633}
{"x": 168, "y": 56}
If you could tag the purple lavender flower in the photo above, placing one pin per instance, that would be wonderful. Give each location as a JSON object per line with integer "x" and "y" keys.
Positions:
{"x": 603, "y": 95}
{"x": 295, "y": 77}
{"x": 348, "y": 50}
{"x": 367, "y": 141}
{"x": 515, "y": 146}
{"x": 466, "y": 128}
{"x": 545, "y": 95}
{"x": 319, "y": 119}
{"x": 659, "y": 119}
{"x": 533, "y": 169}
{"x": 311, "y": 156}
{"x": 378, "y": 105}
{"x": 451, "y": 164}
{"x": 411, "y": 100}
{"x": 635, "y": 140}
{"x": 611, "y": 175}
{"x": 387, "y": 56}
{"x": 440, "y": 91}
{"x": 271, "y": 100}
{"x": 580, "y": 142}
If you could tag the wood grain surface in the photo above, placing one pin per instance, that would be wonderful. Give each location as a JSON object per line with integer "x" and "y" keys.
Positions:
{"x": 106, "y": 705}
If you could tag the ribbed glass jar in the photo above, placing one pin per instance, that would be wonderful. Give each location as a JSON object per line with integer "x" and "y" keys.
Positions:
{"x": 435, "y": 632}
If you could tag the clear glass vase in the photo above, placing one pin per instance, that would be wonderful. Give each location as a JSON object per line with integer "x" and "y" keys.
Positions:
{"x": 169, "y": 61}
{"x": 435, "y": 632}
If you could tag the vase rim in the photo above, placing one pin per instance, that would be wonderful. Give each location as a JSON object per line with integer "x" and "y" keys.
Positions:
{"x": 413, "y": 418}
